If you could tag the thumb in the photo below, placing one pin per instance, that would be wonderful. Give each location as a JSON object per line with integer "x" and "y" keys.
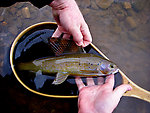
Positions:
{"x": 56, "y": 16}
{"x": 77, "y": 36}
{"x": 120, "y": 90}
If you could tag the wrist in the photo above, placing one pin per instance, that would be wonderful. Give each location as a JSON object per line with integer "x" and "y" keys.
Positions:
{"x": 60, "y": 4}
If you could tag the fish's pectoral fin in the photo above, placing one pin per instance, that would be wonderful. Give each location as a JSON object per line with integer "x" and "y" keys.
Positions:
{"x": 40, "y": 79}
{"x": 60, "y": 78}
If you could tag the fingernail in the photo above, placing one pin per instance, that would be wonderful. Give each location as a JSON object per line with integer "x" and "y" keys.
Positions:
{"x": 85, "y": 44}
{"x": 80, "y": 43}
{"x": 129, "y": 88}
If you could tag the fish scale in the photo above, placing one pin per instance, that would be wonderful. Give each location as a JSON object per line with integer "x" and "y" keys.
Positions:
{"x": 83, "y": 64}
{"x": 75, "y": 63}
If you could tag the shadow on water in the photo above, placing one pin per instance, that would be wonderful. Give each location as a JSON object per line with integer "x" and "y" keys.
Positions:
{"x": 15, "y": 98}
{"x": 124, "y": 30}
{"x": 29, "y": 47}
{"x": 32, "y": 46}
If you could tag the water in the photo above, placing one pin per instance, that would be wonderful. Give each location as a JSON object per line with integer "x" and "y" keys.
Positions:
{"x": 123, "y": 39}
{"x": 35, "y": 45}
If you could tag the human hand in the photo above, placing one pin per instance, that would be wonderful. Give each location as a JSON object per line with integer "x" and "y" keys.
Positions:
{"x": 70, "y": 22}
{"x": 101, "y": 98}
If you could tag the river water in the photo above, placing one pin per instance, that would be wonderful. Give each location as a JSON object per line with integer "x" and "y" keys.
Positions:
{"x": 120, "y": 29}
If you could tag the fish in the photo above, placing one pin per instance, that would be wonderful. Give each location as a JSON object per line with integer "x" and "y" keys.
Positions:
{"x": 74, "y": 63}
{"x": 83, "y": 65}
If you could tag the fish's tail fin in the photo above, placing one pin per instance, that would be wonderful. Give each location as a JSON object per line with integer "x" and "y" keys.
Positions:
{"x": 28, "y": 66}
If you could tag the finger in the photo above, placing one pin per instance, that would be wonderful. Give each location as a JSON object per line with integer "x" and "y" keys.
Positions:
{"x": 57, "y": 33}
{"x": 100, "y": 80}
{"x": 66, "y": 36}
{"x": 110, "y": 81}
{"x": 79, "y": 83}
{"x": 56, "y": 16}
{"x": 120, "y": 90}
{"x": 90, "y": 81}
{"x": 77, "y": 36}
{"x": 87, "y": 38}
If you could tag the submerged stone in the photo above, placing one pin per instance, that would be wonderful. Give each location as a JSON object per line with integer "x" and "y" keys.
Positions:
{"x": 1, "y": 18}
{"x": 26, "y": 12}
{"x": 104, "y": 4}
{"x": 131, "y": 22}
{"x": 127, "y": 5}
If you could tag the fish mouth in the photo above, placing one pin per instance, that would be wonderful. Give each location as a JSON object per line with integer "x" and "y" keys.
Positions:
{"x": 106, "y": 72}
{"x": 117, "y": 70}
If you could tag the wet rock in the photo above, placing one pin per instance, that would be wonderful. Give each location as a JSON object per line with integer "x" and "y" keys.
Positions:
{"x": 45, "y": 13}
{"x": 19, "y": 5}
{"x": 85, "y": 11}
{"x": 1, "y": 18}
{"x": 131, "y": 12}
{"x": 1, "y": 63}
{"x": 19, "y": 23}
{"x": 13, "y": 30}
{"x": 121, "y": 15}
{"x": 118, "y": 11}
{"x": 1, "y": 55}
{"x": 116, "y": 29}
{"x": 103, "y": 13}
{"x": 4, "y": 23}
{"x": 131, "y": 22}
{"x": 127, "y": 5}
{"x": 94, "y": 5}
{"x": 84, "y": 3}
{"x": 1, "y": 39}
{"x": 115, "y": 21}
{"x": 104, "y": 4}
{"x": 26, "y": 12}
{"x": 115, "y": 26}
{"x": 133, "y": 36}
{"x": 138, "y": 5}
{"x": 143, "y": 19}
{"x": 2, "y": 35}
{"x": 1, "y": 10}
{"x": 12, "y": 10}
{"x": 19, "y": 13}
{"x": 34, "y": 11}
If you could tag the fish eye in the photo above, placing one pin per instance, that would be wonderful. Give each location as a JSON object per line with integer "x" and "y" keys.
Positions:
{"x": 111, "y": 66}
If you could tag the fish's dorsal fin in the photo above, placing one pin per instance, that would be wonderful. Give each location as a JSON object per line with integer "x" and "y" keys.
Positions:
{"x": 62, "y": 46}
{"x": 60, "y": 78}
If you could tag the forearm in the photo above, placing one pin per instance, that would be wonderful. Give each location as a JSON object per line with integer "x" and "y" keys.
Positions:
{"x": 59, "y": 4}
{"x": 37, "y": 3}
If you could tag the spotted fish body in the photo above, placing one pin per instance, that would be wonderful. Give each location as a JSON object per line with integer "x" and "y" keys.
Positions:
{"x": 75, "y": 62}
{"x": 83, "y": 64}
